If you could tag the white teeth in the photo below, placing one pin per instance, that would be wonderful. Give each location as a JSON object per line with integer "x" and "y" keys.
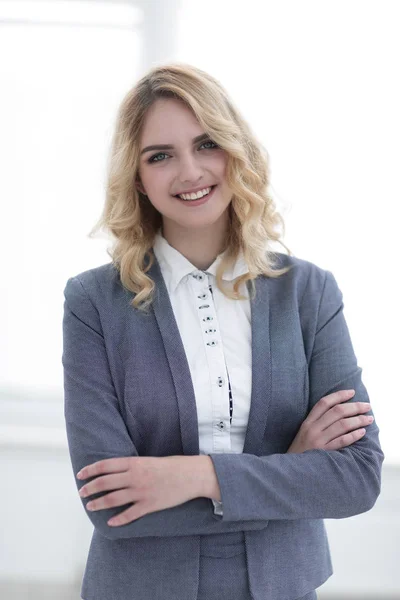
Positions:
{"x": 195, "y": 195}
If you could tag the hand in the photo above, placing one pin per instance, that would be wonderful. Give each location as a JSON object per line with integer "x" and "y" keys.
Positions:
{"x": 152, "y": 483}
{"x": 328, "y": 422}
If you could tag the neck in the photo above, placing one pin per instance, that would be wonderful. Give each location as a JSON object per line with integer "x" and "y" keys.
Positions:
{"x": 200, "y": 246}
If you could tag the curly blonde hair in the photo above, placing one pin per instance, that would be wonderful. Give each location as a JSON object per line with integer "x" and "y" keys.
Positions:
{"x": 133, "y": 221}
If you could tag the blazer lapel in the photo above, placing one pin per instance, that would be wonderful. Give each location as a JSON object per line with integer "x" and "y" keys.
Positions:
{"x": 261, "y": 389}
{"x": 180, "y": 372}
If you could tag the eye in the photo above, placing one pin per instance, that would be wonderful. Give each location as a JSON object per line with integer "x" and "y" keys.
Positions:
{"x": 209, "y": 142}
{"x": 154, "y": 158}
{"x": 151, "y": 159}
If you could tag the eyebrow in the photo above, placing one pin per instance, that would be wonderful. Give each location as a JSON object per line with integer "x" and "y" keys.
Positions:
{"x": 199, "y": 138}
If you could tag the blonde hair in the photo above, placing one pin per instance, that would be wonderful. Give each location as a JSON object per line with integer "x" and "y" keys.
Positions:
{"x": 133, "y": 221}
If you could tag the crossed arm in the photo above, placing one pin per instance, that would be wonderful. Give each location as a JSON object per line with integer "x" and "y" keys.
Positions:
{"x": 253, "y": 489}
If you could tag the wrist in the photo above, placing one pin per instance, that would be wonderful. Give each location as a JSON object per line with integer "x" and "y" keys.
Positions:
{"x": 208, "y": 481}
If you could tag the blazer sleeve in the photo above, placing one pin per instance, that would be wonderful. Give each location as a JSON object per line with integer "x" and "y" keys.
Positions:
{"x": 96, "y": 429}
{"x": 315, "y": 484}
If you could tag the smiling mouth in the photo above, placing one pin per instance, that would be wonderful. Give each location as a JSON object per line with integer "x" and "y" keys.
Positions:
{"x": 196, "y": 199}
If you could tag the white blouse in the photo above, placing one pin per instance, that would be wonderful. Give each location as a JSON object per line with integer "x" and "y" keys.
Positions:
{"x": 216, "y": 335}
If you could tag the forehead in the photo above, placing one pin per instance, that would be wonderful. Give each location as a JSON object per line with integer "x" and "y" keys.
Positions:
{"x": 169, "y": 117}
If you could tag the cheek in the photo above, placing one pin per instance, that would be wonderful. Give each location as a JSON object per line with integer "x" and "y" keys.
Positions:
{"x": 155, "y": 181}
{"x": 220, "y": 164}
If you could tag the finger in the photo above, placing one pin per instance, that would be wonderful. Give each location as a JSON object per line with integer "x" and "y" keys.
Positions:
{"x": 111, "y": 500}
{"x": 343, "y": 413}
{"x": 106, "y": 482}
{"x": 128, "y": 515}
{"x": 342, "y": 426}
{"x": 345, "y": 440}
{"x": 108, "y": 465}
{"x": 326, "y": 403}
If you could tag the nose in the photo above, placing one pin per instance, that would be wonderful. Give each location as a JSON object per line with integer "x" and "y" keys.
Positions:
{"x": 190, "y": 171}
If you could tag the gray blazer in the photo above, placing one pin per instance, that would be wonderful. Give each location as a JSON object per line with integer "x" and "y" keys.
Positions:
{"x": 128, "y": 392}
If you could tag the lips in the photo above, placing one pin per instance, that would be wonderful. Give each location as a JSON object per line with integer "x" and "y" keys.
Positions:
{"x": 203, "y": 188}
{"x": 200, "y": 202}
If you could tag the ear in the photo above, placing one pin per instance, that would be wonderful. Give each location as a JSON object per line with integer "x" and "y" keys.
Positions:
{"x": 139, "y": 186}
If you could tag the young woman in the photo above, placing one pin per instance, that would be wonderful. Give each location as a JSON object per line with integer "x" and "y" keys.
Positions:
{"x": 214, "y": 407}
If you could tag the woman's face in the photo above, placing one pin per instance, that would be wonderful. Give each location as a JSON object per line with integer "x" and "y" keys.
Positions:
{"x": 186, "y": 165}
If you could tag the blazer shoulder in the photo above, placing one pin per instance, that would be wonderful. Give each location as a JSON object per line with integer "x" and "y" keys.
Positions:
{"x": 96, "y": 283}
{"x": 300, "y": 268}
{"x": 306, "y": 280}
